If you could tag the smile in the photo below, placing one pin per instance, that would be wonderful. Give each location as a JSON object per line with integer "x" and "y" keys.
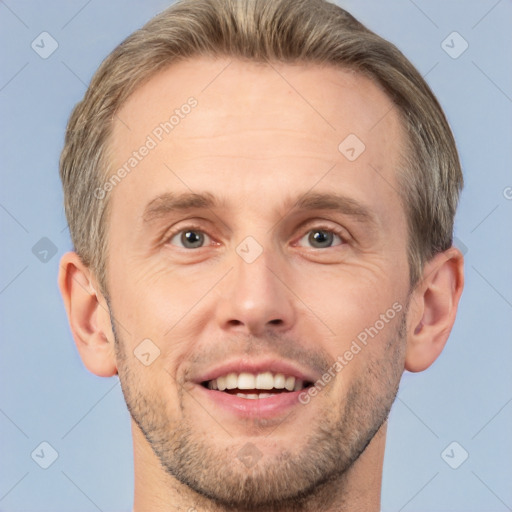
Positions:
{"x": 256, "y": 386}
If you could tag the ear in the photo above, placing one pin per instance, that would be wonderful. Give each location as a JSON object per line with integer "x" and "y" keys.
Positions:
{"x": 433, "y": 308}
{"x": 88, "y": 316}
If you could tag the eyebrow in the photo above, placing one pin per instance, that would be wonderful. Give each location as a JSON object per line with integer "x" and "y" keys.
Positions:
{"x": 169, "y": 202}
{"x": 336, "y": 202}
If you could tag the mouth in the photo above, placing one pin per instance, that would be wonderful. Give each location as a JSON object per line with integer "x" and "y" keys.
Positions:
{"x": 256, "y": 386}
{"x": 248, "y": 389}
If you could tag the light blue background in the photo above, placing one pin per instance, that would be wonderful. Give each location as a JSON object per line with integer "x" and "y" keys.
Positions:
{"x": 47, "y": 395}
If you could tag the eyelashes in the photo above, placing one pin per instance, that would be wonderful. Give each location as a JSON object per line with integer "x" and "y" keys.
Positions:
{"x": 189, "y": 237}
{"x": 327, "y": 236}
{"x": 319, "y": 237}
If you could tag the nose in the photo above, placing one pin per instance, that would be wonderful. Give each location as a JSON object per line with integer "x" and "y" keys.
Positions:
{"x": 256, "y": 297}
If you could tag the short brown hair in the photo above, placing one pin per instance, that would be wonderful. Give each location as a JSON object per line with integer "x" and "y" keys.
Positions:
{"x": 287, "y": 31}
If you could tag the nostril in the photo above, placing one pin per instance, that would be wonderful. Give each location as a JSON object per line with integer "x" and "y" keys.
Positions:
{"x": 277, "y": 321}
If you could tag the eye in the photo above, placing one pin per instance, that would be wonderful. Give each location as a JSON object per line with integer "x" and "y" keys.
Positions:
{"x": 190, "y": 239}
{"x": 320, "y": 239}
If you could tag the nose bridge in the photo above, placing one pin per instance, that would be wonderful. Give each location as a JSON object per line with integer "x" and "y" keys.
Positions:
{"x": 255, "y": 299}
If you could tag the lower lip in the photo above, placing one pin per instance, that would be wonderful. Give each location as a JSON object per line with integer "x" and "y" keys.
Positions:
{"x": 253, "y": 408}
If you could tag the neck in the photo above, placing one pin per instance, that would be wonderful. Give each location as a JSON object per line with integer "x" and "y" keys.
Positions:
{"x": 358, "y": 490}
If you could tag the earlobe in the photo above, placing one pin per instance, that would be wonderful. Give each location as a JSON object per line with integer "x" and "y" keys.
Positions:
{"x": 433, "y": 308}
{"x": 88, "y": 316}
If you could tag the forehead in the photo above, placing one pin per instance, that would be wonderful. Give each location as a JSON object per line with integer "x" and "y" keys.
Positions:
{"x": 334, "y": 98}
{"x": 226, "y": 125}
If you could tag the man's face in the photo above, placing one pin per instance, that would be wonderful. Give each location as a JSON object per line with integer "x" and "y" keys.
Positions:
{"x": 298, "y": 248}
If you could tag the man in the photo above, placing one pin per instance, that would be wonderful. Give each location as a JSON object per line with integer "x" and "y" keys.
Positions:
{"x": 261, "y": 198}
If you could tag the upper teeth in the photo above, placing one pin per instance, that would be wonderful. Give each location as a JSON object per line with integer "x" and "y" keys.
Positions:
{"x": 265, "y": 380}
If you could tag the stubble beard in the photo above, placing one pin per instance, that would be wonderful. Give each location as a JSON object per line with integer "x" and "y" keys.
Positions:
{"x": 312, "y": 477}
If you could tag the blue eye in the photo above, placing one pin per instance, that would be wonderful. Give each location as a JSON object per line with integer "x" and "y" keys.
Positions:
{"x": 320, "y": 239}
{"x": 189, "y": 239}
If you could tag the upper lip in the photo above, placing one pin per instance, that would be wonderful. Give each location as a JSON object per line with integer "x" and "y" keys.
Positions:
{"x": 274, "y": 366}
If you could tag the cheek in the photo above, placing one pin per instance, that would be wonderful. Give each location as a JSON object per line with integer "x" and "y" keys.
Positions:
{"x": 150, "y": 294}
{"x": 350, "y": 299}
{"x": 363, "y": 308}
{"x": 149, "y": 391}
{"x": 146, "y": 375}
{"x": 156, "y": 303}
{"x": 371, "y": 361}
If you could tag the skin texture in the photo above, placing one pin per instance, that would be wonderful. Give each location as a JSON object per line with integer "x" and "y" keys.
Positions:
{"x": 260, "y": 137}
